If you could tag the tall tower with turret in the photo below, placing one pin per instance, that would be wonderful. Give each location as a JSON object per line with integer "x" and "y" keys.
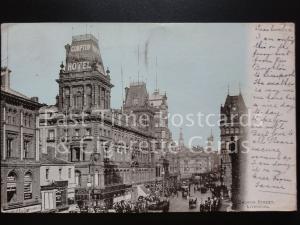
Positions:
{"x": 84, "y": 84}
{"x": 232, "y": 132}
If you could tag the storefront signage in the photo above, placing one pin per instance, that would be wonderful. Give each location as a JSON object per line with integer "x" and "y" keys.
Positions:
{"x": 84, "y": 47}
{"x": 79, "y": 66}
{"x": 27, "y": 196}
{"x": 28, "y": 209}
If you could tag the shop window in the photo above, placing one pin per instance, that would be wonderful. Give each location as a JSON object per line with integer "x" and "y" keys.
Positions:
{"x": 11, "y": 187}
{"x": 28, "y": 186}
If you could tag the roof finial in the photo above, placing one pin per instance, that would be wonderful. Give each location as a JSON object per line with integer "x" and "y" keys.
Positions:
{"x": 239, "y": 88}
{"x": 107, "y": 71}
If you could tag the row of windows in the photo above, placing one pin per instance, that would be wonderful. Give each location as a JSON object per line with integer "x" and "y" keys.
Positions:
{"x": 12, "y": 190}
{"x": 79, "y": 99}
{"x": 126, "y": 137}
{"x": 47, "y": 171}
{"x": 231, "y": 131}
{"x": 13, "y": 118}
{"x": 11, "y": 144}
{"x": 77, "y": 133}
{"x": 88, "y": 132}
{"x": 111, "y": 177}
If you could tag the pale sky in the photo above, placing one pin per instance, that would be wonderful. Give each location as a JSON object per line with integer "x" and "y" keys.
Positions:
{"x": 196, "y": 62}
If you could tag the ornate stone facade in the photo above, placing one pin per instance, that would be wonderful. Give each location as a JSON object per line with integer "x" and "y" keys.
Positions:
{"x": 104, "y": 144}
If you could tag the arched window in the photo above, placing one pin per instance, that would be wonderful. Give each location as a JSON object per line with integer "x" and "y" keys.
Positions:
{"x": 67, "y": 97}
{"x": 89, "y": 96}
{"x": 28, "y": 186}
{"x": 144, "y": 120}
{"x": 78, "y": 100}
{"x": 11, "y": 187}
{"x": 78, "y": 178}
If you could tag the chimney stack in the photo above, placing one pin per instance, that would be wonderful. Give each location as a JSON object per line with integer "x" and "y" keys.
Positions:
{"x": 5, "y": 78}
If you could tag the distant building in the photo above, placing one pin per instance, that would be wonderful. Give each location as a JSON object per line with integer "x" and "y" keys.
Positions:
{"x": 194, "y": 161}
{"x": 20, "y": 154}
{"x": 162, "y": 132}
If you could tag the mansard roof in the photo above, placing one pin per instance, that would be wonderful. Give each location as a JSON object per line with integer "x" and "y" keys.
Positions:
{"x": 136, "y": 95}
{"x": 49, "y": 160}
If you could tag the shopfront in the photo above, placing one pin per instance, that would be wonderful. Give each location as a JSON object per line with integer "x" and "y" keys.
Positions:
{"x": 27, "y": 209}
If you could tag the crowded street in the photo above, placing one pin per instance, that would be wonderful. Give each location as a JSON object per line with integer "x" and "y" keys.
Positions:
{"x": 180, "y": 204}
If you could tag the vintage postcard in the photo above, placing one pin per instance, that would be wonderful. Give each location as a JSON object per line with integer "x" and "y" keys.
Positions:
{"x": 148, "y": 117}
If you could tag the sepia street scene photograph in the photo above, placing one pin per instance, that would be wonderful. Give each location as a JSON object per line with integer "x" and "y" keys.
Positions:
{"x": 147, "y": 117}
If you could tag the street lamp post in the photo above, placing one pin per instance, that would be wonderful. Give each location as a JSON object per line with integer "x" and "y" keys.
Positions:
{"x": 163, "y": 183}
{"x": 89, "y": 185}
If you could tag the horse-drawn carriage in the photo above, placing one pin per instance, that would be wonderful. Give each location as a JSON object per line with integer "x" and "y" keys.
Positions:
{"x": 185, "y": 191}
{"x": 203, "y": 189}
{"x": 158, "y": 206}
{"x": 192, "y": 202}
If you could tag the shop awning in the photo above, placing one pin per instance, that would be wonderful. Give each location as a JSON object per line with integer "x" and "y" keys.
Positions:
{"x": 142, "y": 191}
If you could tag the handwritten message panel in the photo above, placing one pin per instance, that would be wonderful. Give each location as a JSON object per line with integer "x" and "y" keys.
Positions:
{"x": 271, "y": 161}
